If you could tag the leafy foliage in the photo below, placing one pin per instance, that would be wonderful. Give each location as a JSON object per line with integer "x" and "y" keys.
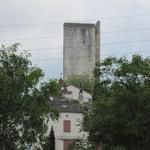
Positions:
{"x": 24, "y": 100}
{"x": 120, "y": 113}
{"x": 119, "y": 148}
{"x": 82, "y": 144}
{"x": 96, "y": 93}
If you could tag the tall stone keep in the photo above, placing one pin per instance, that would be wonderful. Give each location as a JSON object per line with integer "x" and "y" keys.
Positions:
{"x": 81, "y": 48}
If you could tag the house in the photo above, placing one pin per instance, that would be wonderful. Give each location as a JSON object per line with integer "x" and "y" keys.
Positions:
{"x": 70, "y": 107}
{"x": 67, "y": 128}
{"x": 73, "y": 93}
{"x": 78, "y": 94}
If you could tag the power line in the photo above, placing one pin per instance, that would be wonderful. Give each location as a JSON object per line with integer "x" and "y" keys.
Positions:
{"x": 124, "y": 53}
{"x": 30, "y": 38}
{"x": 127, "y": 16}
{"x": 30, "y": 24}
{"x": 103, "y": 55}
{"x": 47, "y": 59}
{"x": 60, "y": 22}
{"x": 113, "y": 55}
{"x": 125, "y": 42}
{"x": 52, "y": 36}
{"x": 104, "y": 44}
{"x": 47, "y": 48}
{"x": 119, "y": 17}
{"x": 127, "y": 30}
{"x": 48, "y": 37}
{"x": 107, "y": 43}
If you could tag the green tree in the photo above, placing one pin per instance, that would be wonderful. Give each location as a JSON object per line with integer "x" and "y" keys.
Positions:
{"x": 50, "y": 142}
{"x": 119, "y": 118}
{"x": 96, "y": 84}
{"x": 24, "y": 100}
{"x": 82, "y": 144}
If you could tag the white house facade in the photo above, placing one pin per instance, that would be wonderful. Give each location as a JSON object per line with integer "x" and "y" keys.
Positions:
{"x": 67, "y": 128}
{"x": 75, "y": 94}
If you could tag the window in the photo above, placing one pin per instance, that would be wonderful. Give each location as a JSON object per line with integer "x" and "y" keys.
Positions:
{"x": 67, "y": 126}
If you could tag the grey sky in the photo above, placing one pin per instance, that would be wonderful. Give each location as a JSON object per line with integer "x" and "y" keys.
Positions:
{"x": 32, "y": 19}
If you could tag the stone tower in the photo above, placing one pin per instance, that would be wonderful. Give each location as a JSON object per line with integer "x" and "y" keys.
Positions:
{"x": 81, "y": 48}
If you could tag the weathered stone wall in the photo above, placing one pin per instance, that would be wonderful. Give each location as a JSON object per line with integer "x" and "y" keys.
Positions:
{"x": 81, "y": 48}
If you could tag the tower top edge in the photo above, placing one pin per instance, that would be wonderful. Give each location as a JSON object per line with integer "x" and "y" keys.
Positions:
{"x": 71, "y": 24}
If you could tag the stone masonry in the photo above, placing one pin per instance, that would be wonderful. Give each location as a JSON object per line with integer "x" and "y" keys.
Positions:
{"x": 81, "y": 48}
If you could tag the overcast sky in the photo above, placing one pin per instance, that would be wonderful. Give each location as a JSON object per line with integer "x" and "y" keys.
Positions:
{"x": 38, "y": 26}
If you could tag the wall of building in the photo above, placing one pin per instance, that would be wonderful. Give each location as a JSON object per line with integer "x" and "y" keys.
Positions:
{"x": 60, "y": 135}
{"x": 81, "y": 48}
{"x": 75, "y": 94}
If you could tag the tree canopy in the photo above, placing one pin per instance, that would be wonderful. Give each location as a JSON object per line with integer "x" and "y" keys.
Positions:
{"x": 24, "y": 100}
{"x": 119, "y": 118}
{"x": 82, "y": 144}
